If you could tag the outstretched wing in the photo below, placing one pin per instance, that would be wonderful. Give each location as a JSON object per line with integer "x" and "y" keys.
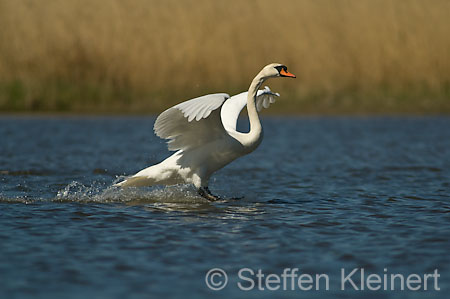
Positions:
{"x": 233, "y": 107}
{"x": 192, "y": 123}
{"x": 265, "y": 97}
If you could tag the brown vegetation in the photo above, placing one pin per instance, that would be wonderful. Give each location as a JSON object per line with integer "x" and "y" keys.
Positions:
{"x": 350, "y": 56}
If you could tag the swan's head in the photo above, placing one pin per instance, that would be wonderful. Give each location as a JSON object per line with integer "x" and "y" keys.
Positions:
{"x": 276, "y": 70}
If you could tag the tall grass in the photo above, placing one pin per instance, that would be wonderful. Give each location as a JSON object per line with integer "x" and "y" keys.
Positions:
{"x": 145, "y": 55}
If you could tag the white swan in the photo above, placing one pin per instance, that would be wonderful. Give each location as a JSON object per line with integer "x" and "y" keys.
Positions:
{"x": 203, "y": 133}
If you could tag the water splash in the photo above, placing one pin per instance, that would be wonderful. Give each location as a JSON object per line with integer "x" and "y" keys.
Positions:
{"x": 178, "y": 198}
{"x": 101, "y": 193}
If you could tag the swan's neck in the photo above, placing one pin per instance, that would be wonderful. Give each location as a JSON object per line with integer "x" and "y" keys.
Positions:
{"x": 254, "y": 136}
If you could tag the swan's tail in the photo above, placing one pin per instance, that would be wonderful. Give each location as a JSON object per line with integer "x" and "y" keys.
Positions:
{"x": 164, "y": 173}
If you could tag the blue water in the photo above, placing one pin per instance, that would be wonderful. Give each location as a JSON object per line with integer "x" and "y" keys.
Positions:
{"x": 320, "y": 194}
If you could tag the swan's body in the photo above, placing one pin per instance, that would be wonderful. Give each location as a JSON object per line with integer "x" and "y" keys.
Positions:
{"x": 203, "y": 133}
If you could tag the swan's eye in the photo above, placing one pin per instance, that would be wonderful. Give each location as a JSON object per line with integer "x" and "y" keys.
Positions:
{"x": 281, "y": 67}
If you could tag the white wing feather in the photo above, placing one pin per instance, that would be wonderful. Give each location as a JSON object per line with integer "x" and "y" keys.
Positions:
{"x": 177, "y": 124}
{"x": 232, "y": 107}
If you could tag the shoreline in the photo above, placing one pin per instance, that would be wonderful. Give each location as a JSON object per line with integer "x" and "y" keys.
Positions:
{"x": 51, "y": 114}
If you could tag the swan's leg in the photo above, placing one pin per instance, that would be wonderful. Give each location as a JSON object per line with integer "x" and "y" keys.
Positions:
{"x": 204, "y": 192}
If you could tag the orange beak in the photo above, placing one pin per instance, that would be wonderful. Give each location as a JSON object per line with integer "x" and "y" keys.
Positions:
{"x": 284, "y": 73}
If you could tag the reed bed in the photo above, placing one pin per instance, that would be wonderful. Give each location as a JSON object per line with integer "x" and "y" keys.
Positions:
{"x": 350, "y": 56}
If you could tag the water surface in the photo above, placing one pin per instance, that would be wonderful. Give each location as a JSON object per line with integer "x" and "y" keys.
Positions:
{"x": 320, "y": 194}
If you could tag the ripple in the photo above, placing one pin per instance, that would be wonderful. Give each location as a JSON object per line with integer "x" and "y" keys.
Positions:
{"x": 321, "y": 224}
{"x": 412, "y": 168}
{"x": 26, "y": 172}
{"x": 414, "y": 197}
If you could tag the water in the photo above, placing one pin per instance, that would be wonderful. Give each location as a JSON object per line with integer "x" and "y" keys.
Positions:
{"x": 320, "y": 194}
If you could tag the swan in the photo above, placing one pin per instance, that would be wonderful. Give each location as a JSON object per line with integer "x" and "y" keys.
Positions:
{"x": 202, "y": 132}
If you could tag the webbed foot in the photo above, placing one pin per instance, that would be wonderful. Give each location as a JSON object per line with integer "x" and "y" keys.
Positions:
{"x": 205, "y": 193}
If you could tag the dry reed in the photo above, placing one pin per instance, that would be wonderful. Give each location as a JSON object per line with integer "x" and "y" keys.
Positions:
{"x": 350, "y": 56}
